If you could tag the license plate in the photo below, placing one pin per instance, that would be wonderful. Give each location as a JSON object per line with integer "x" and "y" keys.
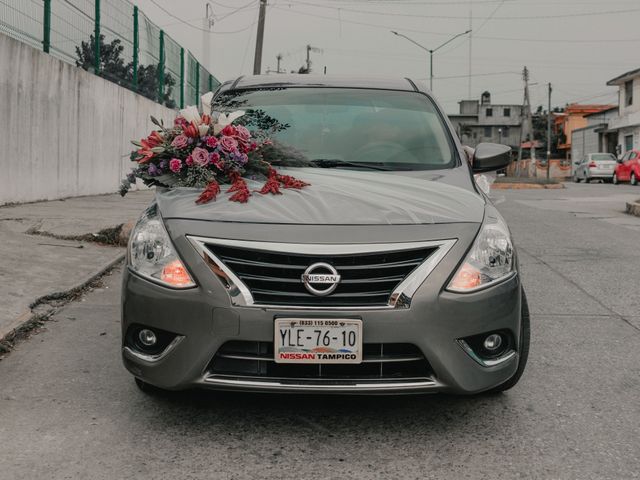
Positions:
{"x": 311, "y": 340}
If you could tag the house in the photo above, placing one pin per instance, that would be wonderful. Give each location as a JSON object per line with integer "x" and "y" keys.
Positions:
{"x": 596, "y": 136}
{"x": 627, "y": 124}
{"x": 483, "y": 121}
{"x": 573, "y": 118}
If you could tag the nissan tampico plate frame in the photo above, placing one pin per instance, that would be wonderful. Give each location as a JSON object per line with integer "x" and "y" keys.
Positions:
{"x": 317, "y": 340}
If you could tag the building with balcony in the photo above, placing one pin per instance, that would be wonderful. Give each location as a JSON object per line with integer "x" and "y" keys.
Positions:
{"x": 627, "y": 125}
{"x": 574, "y": 117}
{"x": 482, "y": 121}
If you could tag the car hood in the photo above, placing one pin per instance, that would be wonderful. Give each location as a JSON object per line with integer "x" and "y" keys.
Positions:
{"x": 340, "y": 197}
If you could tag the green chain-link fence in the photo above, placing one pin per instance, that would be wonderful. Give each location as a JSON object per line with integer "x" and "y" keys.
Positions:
{"x": 113, "y": 39}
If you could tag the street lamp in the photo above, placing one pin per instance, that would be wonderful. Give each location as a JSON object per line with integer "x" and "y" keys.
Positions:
{"x": 431, "y": 51}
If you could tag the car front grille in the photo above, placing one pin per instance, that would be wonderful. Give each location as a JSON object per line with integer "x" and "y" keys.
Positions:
{"x": 380, "y": 361}
{"x": 274, "y": 277}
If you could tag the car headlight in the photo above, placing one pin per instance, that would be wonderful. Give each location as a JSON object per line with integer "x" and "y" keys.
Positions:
{"x": 153, "y": 256}
{"x": 491, "y": 259}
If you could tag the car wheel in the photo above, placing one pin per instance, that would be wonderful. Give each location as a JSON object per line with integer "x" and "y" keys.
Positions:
{"x": 587, "y": 180}
{"x": 634, "y": 180}
{"x": 576, "y": 179}
{"x": 614, "y": 180}
{"x": 523, "y": 351}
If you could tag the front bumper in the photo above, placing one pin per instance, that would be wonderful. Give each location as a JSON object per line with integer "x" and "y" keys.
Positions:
{"x": 204, "y": 320}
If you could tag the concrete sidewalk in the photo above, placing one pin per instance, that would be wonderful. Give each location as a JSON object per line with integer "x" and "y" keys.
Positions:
{"x": 47, "y": 250}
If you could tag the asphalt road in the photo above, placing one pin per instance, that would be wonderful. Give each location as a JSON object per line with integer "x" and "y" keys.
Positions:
{"x": 68, "y": 409}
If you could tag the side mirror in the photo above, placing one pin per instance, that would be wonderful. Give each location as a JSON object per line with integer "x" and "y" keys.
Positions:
{"x": 491, "y": 156}
{"x": 576, "y": 163}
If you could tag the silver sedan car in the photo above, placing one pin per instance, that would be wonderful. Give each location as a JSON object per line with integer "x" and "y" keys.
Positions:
{"x": 392, "y": 273}
{"x": 595, "y": 166}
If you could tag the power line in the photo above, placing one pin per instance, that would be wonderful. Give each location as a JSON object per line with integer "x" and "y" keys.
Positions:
{"x": 457, "y": 17}
{"x": 184, "y": 22}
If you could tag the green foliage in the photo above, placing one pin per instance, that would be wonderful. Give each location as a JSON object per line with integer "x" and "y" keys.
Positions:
{"x": 113, "y": 68}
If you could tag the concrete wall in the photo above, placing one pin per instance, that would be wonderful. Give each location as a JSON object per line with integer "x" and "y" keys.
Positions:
{"x": 64, "y": 132}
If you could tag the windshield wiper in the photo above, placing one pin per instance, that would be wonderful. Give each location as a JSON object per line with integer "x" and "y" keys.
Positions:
{"x": 336, "y": 163}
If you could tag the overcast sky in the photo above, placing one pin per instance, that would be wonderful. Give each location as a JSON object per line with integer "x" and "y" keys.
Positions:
{"x": 577, "y": 45}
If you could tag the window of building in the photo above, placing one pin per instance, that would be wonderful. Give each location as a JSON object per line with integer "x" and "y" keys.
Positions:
{"x": 489, "y": 112}
{"x": 628, "y": 143}
{"x": 487, "y": 131}
{"x": 507, "y": 112}
{"x": 628, "y": 93}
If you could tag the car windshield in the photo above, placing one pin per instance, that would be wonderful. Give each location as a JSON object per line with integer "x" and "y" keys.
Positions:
{"x": 602, "y": 156}
{"x": 346, "y": 128}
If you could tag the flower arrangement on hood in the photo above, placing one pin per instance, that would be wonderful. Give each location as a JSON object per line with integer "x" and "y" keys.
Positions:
{"x": 206, "y": 151}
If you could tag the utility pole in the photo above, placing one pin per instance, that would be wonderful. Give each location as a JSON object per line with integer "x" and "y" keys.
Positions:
{"x": 549, "y": 134}
{"x": 526, "y": 124}
{"x": 207, "y": 24}
{"x": 309, "y": 50}
{"x": 279, "y": 59}
{"x": 257, "y": 59}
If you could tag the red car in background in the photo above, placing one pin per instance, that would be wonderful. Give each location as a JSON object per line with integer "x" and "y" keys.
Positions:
{"x": 628, "y": 168}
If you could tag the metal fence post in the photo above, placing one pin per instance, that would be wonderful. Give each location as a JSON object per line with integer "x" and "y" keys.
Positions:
{"x": 46, "y": 34}
{"x": 197, "y": 82}
{"x": 161, "y": 69}
{"x": 135, "y": 48}
{"x": 210, "y": 82}
{"x": 181, "y": 77}
{"x": 96, "y": 39}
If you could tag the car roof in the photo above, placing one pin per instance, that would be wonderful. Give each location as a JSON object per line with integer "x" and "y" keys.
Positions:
{"x": 327, "y": 81}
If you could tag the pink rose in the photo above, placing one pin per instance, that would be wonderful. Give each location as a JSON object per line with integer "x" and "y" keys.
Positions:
{"x": 200, "y": 156}
{"x": 228, "y": 144}
{"x": 181, "y": 141}
{"x": 242, "y": 133}
{"x": 211, "y": 142}
{"x": 175, "y": 165}
{"x": 189, "y": 161}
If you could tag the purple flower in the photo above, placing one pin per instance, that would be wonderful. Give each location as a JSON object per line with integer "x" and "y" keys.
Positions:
{"x": 200, "y": 156}
{"x": 175, "y": 165}
{"x": 153, "y": 170}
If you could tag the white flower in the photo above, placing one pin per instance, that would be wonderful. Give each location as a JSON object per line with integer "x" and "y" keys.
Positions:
{"x": 203, "y": 129}
{"x": 191, "y": 114}
{"x": 206, "y": 102}
{"x": 223, "y": 120}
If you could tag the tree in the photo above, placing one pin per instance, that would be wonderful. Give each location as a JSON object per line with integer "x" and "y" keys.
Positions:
{"x": 112, "y": 65}
{"x": 113, "y": 68}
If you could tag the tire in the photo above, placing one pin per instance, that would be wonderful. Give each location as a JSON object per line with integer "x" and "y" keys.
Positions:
{"x": 587, "y": 180}
{"x": 575, "y": 178}
{"x": 614, "y": 180}
{"x": 634, "y": 180}
{"x": 523, "y": 351}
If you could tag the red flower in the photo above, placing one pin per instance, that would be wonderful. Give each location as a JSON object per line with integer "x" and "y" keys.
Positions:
{"x": 209, "y": 193}
{"x": 271, "y": 185}
{"x": 291, "y": 182}
{"x": 191, "y": 130}
{"x": 239, "y": 186}
{"x": 206, "y": 119}
{"x": 229, "y": 131}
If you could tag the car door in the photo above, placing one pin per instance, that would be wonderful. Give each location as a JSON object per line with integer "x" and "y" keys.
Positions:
{"x": 584, "y": 165}
{"x": 634, "y": 163}
{"x": 622, "y": 170}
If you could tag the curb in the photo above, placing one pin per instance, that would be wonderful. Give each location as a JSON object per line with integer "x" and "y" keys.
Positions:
{"x": 633, "y": 208}
{"x": 29, "y": 315}
{"x": 525, "y": 186}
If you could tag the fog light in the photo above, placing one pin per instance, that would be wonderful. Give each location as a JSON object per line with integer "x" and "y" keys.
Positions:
{"x": 147, "y": 337}
{"x": 493, "y": 342}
